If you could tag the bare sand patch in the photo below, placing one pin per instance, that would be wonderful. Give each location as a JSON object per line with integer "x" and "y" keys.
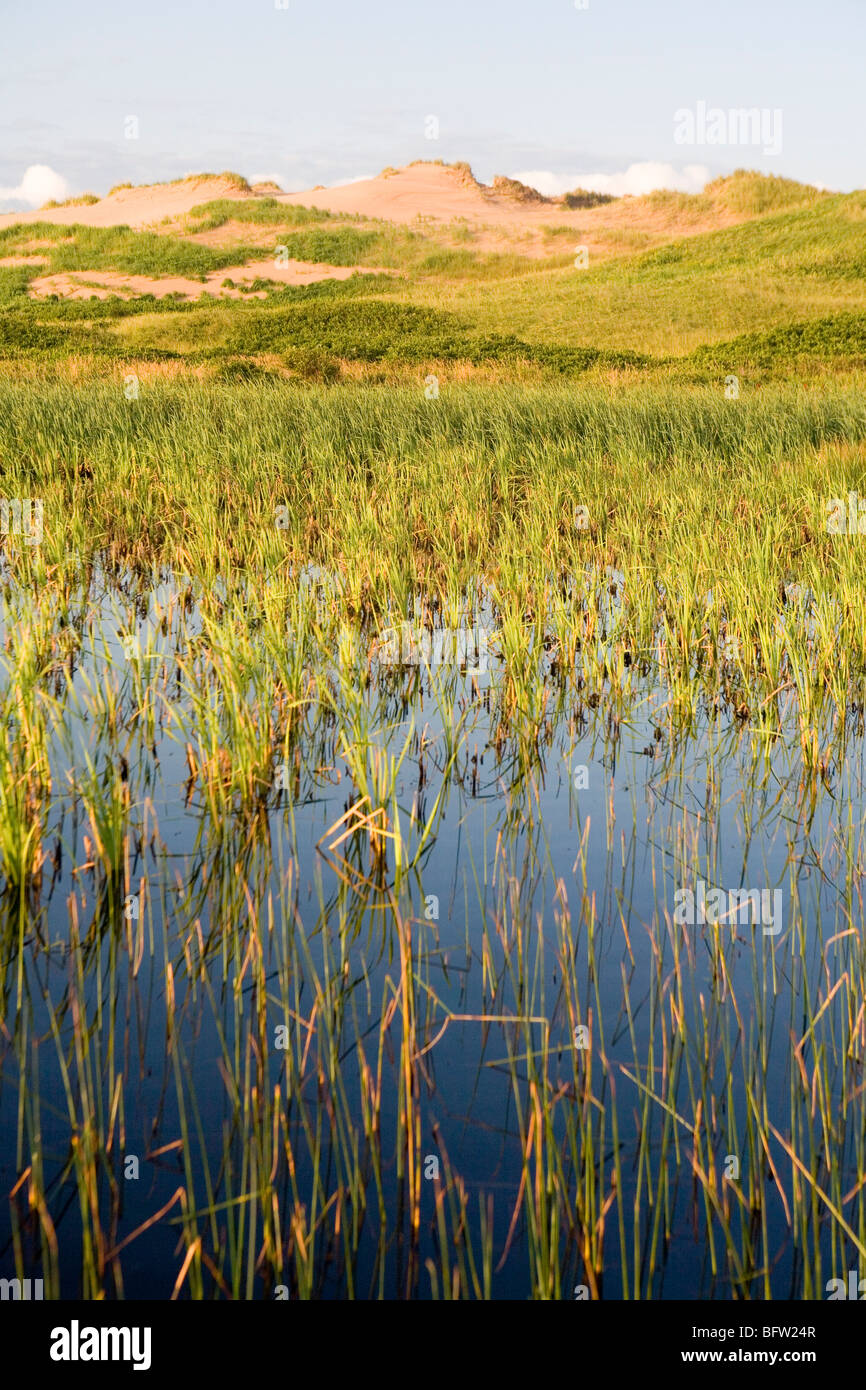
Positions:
{"x": 84, "y": 284}
{"x": 11, "y": 261}
{"x": 240, "y": 233}
{"x": 298, "y": 272}
{"x": 34, "y": 244}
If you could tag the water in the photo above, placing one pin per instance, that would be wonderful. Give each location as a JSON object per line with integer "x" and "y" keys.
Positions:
{"x": 544, "y": 891}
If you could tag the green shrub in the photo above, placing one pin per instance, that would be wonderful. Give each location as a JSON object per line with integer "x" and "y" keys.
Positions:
{"x": 583, "y": 198}
{"x": 262, "y": 212}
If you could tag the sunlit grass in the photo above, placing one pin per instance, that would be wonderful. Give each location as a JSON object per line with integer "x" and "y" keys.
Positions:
{"x": 199, "y": 643}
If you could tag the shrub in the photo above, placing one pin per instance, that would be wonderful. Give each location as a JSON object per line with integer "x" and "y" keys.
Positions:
{"x": 583, "y": 198}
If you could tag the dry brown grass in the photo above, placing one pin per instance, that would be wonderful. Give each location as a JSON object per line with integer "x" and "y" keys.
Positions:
{"x": 503, "y": 187}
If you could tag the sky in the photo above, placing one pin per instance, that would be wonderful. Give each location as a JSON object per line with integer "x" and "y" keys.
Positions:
{"x": 560, "y": 93}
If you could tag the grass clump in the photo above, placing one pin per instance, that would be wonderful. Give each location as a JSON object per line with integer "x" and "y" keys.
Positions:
{"x": 750, "y": 193}
{"x": 842, "y": 335}
{"x": 583, "y": 198}
{"x": 262, "y": 212}
{"x": 83, "y": 201}
{"x": 513, "y": 188}
{"x": 343, "y": 247}
{"x": 76, "y": 247}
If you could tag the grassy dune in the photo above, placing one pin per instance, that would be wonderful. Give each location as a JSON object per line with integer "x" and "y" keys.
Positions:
{"x": 801, "y": 264}
{"x": 453, "y": 302}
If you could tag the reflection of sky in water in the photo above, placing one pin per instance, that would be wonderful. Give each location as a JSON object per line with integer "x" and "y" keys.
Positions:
{"x": 722, "y": 807}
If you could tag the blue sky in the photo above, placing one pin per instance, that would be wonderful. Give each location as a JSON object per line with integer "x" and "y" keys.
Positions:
{"x": 330, "y": 90}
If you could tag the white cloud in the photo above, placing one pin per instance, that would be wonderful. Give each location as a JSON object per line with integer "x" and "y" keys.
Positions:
{"x": 39, "y": 185}
{"x": 636, "y": 179}
{"x": 344, "y": 183}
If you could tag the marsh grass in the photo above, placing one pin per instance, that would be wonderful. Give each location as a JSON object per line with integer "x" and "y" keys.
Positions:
{"x": 207, "y": 609}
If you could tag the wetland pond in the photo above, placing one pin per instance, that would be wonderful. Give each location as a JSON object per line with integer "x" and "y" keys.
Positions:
{"x": 349, "y": 966}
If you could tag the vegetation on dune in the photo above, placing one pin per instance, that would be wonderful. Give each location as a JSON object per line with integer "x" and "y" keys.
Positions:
{"x": 512, "y": 188}
{"x": 582, "y": 198}
{"x": 758, "y": 275}
{"x": 13, "y": 284}
{"x": 264, "y": 212}
{"x": 797, "y": 258}
{"x": 228, "y": 176}
{"x": 334, "y": 318}
{"x": 78, "y": 247}
{"x": 85, "y": 200}
{"x": 348, "y": 321}
{"x": 808, "y": 241}
{"x": 373, "y": 331}
{"x": 750, "y": 193}
{"x": 841, "y": 336}
{"x": 459, "y": 166}
{"x": 344, "y": 247}
{"x": 745, "y": 193}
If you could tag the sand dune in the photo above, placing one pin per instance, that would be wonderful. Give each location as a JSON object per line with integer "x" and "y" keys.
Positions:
{"x": 135, "y": 207}
{"x": 441, "y": 192}
{"x": 447, "y": 193}
{"x": 437, "y": 193}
